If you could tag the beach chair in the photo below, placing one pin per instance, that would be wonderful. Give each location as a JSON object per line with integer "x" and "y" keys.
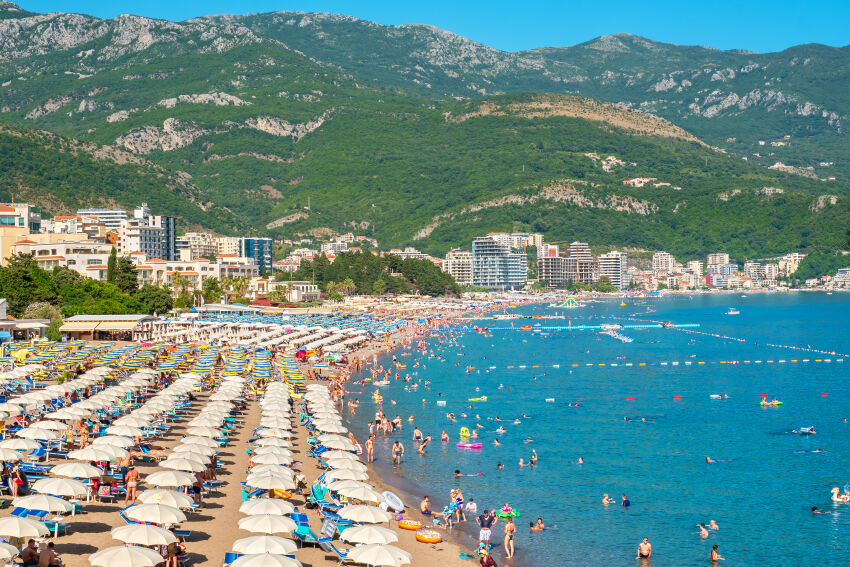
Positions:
{"x": 20, "y": 512}
{"x": 229, "y": 558}
{"x": 341, "y": 554}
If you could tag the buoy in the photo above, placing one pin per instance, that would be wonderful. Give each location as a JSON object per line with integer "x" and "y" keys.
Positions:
{"x": 550, "y": 399}
{"x": 824, "y": 393}
{"x": 677, "y": 397}
{"x": 580, "y": 400}
{"x": 762, "y": 395}
{"x": 630, "y": 398}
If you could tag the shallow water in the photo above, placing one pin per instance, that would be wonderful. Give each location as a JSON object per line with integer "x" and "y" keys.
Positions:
{"x": 761, "y": 490}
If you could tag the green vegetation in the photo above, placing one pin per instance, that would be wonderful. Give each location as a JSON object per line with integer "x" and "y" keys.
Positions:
{"x": 32, "y": 292}
{"x": 367, "y": 274}
{"x": 820, "y": 263}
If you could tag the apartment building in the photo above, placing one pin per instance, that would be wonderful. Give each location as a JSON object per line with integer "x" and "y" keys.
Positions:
{"x": 458, "y": 264}
{"x": 496, "y": 266}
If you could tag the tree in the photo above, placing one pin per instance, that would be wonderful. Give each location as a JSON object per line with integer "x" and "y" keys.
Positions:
{"x": 44, "y": 310}
{"x": 111, "y": 265}
{"x": 379, "y": 287}
{"x": 239, "y": 285}
{"x": 604, "y": 285}
{"x": 126, "y": 277}
{"x": 22, "y": 282}
{"x": 181, "y": 284}
{"x": 155, "y": 299}
{"x": 211, "y": 290}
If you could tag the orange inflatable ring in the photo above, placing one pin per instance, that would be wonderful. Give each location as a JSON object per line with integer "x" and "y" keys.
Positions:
{"x": 278, "y": 493}
{"x": 428, "y": 536}
{"x": 410, "y": 525}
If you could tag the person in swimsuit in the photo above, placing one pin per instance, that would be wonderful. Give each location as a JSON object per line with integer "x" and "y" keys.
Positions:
{"x": 398, "y": 452}
{"x": 714, "y": 555}
{"x": 132, "y": 482}
{"x": 644, "y": 550}
{"x": 425, "y": 506}
{"x": 510, "y": 531}
{"x": 702, "y": 531}
{"x": 417, "y": 434}
{"x": 486, "y": 521}
{"x": 607, "y": 500}
{"x": 370, "y": 449}
{"x": 444, "y": 437}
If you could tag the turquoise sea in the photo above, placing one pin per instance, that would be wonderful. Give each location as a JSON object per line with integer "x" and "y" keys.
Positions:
{"x": 761, "y": 489}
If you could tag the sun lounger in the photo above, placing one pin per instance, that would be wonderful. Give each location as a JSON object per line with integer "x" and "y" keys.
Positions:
{"x": 330, "y": 548}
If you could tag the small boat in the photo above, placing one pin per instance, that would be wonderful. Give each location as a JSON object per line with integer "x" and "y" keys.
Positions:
{"x": 733, "y": 311}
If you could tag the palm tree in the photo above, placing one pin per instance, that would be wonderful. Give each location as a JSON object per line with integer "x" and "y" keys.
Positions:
{"x": 240, "y": 286}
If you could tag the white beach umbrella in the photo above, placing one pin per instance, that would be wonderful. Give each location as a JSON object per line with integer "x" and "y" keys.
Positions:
{"x": 131, "y": 421}
{"x": 196, "y": 440}
{"x": 338, "y": 484}
{"x": 273, "y": 432}
{"x": 9, "y": 455}
{"x": 265, "y": 544}
{"x": 13, "y": 526}
{"x": 265, "y": 560}
{"x": 266, "y": 506}
{"x": 364, "y": 514}
{"x": 60, "y": 487}
{"x": 191, "y": 455}
{"x": 155, "y": 513}
{"x": 272, "y": 451}
{"x": 362, "y": 493}
{"x": 7, "y": 551}
{"x": 125, "y": 556}
{"x": 164, "y": 496}
{"x": 257, "y": 469}
{"x": 194, "y": 448}
{"x": 10, "y": 409}
{"x": 334, "y": 454}
{"x": 118, "y": 440}
{"x": 36, "y": 433}
{"x": 346, "y": 464}
{"x": 270, "y": 481}
{"x": 271, "y": 459}
{"x": 206, "y": 421}
{"x": 204, "y": 431}
{"x": 376, "y": 555}
{"x": 182, "y": 464}
{"x": 42, "y": 502}
{"x": 368, "y": 534}
{"x": 25, "y": 445}
{"x": 342, "y": 444}
{"x": 269, "y": 442}
{"x": 50, "y": 424}
{"x": 267, "y": 524}
{"x": 329, "y": 427}
{"x": 170, "y": 478}
{"x": 143, "y": 534}
{"x": 92, "y": 453}
{"x": 76, "y": 470}
{"x": 346, "y": 474}
{"x": 125, "y": 430}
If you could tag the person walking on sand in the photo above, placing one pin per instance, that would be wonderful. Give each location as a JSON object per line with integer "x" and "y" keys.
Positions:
{"x": 510, "y": 531}
{"x": 398, "y": 452}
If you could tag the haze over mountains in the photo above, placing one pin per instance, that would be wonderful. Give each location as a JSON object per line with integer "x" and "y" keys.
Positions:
{"x": 410, "y": 133}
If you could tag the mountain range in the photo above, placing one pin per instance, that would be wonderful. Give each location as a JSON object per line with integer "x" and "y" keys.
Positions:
{"x": 302, "y": 123}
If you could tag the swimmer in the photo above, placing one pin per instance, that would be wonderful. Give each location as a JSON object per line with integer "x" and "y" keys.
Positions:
{"x": 521, "y": 462}
{"x": 702, "y": 531}
{"x": 816, "y": 511}
{"x": 501, "y": 430}
{"x": 712, "y": 525}
{"x": 709, "y": 460}
{"x": 496, "y": 443}
{"x": 607, "y": 500}
{"x": 500, "y": 466}
{"x": 580, "y": 461}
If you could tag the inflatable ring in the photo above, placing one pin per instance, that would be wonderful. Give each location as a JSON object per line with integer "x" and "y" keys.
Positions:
{"x": 464, "y": 432}
{"x": 278, "y": 493}
{"x": 410, "y": 525}
{"x": 428, "y": 536}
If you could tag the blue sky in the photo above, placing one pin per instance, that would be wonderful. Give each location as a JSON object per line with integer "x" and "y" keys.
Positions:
{"x": 757, "y": 25}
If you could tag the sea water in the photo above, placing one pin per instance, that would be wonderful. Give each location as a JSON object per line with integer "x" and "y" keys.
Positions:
{"x": 761, "y": 489}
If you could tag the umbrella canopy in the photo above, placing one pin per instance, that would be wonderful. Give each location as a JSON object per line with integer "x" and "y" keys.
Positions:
{"x": 363, "y": 493}
{"x": 265, "y": 544}
{"x": 265, "y": 560}
{"x": 60, "y": 487}
{"x": 194, "y": 448}
{"x": 330, "y": 427}
{"x": 20, "y": 444}
{"x": 267, "y": 442}
{"x": 342, "y": 444}
{"x": 76, "y": 470}
{"x": 117, "y": 440}
{"x": 266, "y": 506}
{"x": 124, "y": 556}
{"x": 270, "y": 481}
{"x": 9, "y": 455}
{"x": 272, "y": 451}
{"x": 271, "y": 459}
{"x": 42, "y": 502}
{"x": 198, "y": 440}
{"x": 204, "y": 431}
{"x": 125, "y": 430}
{"x": 37, "y": 433}
{"x": 352, "y": 464}
{"x": 334, "y": 454}
{"x": 156, "y": 513}
{"x": 13, "y": 526}
{"x": 346, "y": 474}
{"x": 8, "y": 551}
{"x": 143, "y": 534}
{"x": 364, "y": 514}
{"x": 170, "y": 478}
{"x": 267, "y": 524}
{"x": 164, "y": 496}
{"x": 368, "y": 534}
{"x": 181, "y": 464}
{"x": 92, "y": 453}
{"x": 377, "y": 554}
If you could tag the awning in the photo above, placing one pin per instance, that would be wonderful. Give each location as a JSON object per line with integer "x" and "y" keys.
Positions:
{"x": 117, "y": 325}
{"x": 79, "y": 326}
{"x": 5, "y": 335}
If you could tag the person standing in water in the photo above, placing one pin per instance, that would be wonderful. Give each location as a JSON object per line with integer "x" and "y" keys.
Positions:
{"x": 398, "y": 452}
{"x": 644, "y": 550}
{"x": 510, "y": 531}
{"x": 714, "y": 555}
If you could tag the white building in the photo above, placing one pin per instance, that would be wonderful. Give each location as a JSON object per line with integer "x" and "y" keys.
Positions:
{"x": 614, "y": 265}
{"x": 771, "y": 272}
{"x": 754, "y": 270}
{"x": 194, "y": 245}
{"x": 496, "y": 266}
{"x": 694, "y": 267}
{"x": 458, "y": 264}
{"x": 580, "y": 250}
{"x": 225, "y": 245}
{"x": 334, "y": 247}
{"x": 110, "y": 217}
{"x": 789, "y": 263}
{"x": 663, "y": 263}
{"x": 718, "y": 258}
{"x": 409, "y": 252}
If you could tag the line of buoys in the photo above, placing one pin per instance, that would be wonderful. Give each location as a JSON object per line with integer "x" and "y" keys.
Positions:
{"x": 668, "y": 363}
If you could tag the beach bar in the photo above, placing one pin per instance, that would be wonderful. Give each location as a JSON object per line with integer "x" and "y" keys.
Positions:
{"x": 109, "y": 327}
